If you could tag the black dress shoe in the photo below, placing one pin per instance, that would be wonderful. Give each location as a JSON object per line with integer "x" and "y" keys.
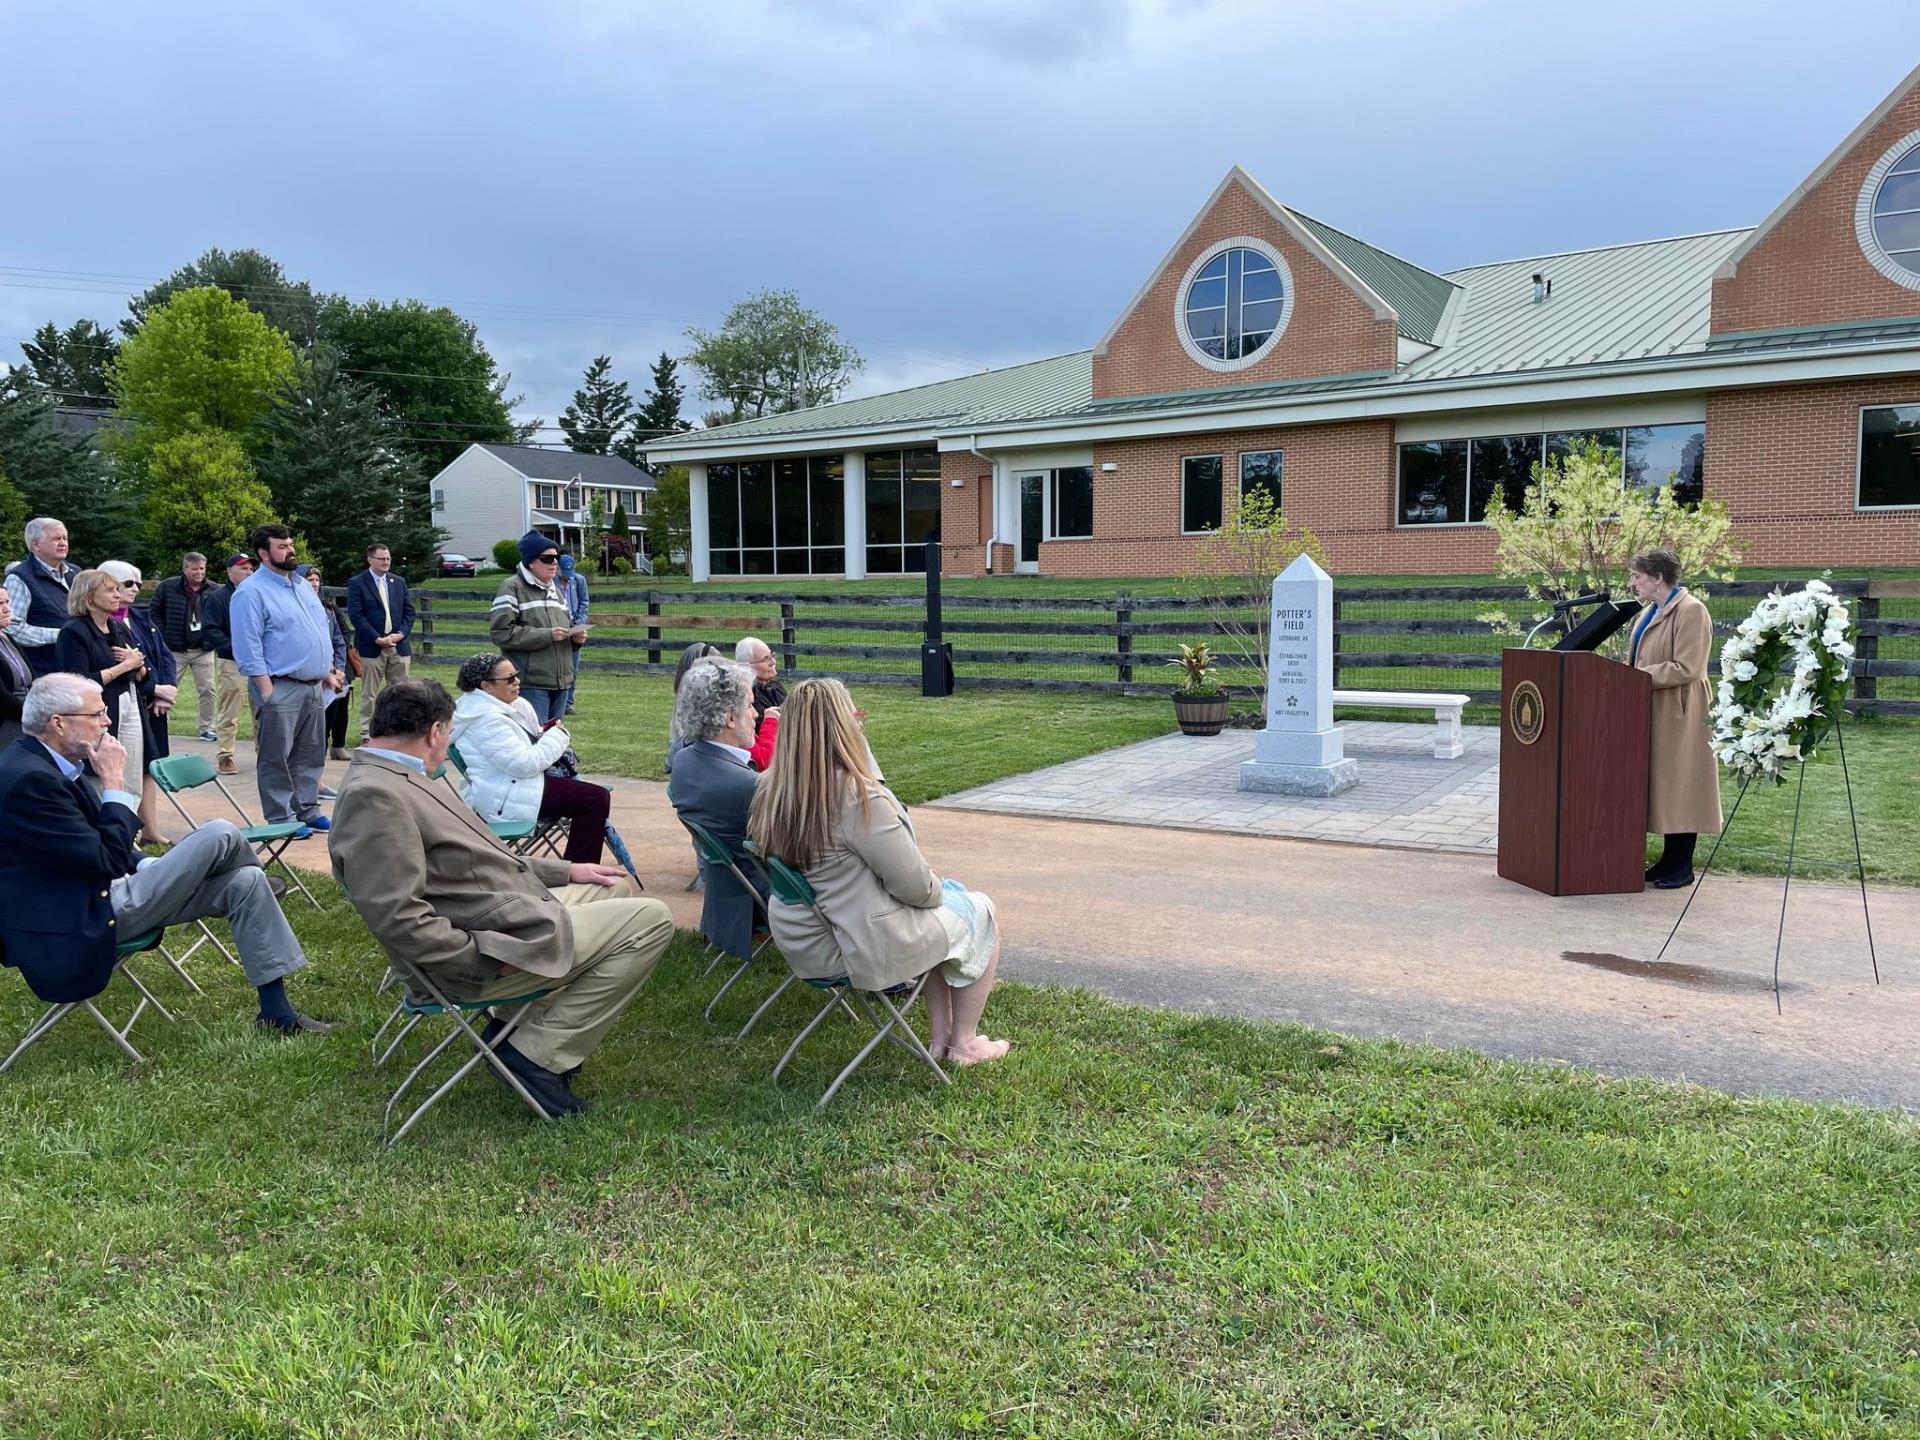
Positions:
{"x": 548, "y": 1089}
{"x": 1654, "y": 872}
{"x": 1674, "y": 880}
{"x": 302, "y": 1025}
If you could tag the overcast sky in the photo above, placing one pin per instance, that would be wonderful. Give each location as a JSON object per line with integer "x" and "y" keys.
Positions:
{"x": 954, "y": 184}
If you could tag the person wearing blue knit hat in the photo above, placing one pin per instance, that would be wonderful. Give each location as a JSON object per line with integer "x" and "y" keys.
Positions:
{"x": 531, "y": 623}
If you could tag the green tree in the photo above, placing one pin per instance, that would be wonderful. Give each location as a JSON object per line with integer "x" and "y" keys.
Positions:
{"x": 669, "y": 518}
{"x": 436, "y": 381}
{"x": 61, "y": 473}
{"x": 600, "y": 410}
{"x": 72, "y": 363}
{"x": 335, "y": 471}
{"x": 620, "y": 526}
{"x": 255, "y": 280}
{"x": 771, "y": 354}
{"x": 14, "y": 513}
{"x": 199, "y": 492}
{"x": 202, "y": 361}
{"x": 1234, "y": 568}
{"x": 1579, "y": 526}
{"x": 659, "y": 415}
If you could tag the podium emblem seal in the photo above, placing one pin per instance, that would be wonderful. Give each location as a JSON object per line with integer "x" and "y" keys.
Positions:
{"x": 1526, "y": 712}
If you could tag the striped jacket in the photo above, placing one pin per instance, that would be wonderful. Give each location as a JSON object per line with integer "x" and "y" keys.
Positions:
{"x": 521, "y": 624}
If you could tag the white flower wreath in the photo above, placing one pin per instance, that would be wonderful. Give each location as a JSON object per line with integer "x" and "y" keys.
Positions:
{"x": 1784, "y": 675}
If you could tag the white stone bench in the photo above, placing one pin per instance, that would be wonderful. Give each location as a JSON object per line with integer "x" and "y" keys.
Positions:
{"x": 1447, "y": 743}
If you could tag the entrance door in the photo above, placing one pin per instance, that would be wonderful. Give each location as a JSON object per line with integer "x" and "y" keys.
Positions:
{"x": 1033, "y": 517}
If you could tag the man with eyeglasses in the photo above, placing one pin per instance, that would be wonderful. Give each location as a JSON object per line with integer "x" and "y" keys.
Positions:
{"x": 72, "y": 882}
{"x": 532, "y": 624}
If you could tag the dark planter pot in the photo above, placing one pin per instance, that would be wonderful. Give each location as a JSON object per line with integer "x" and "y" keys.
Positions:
{"x": 1201, "y": 717}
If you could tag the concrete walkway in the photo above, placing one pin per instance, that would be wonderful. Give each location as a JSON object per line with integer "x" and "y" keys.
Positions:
{"x": 1424, "y": 946}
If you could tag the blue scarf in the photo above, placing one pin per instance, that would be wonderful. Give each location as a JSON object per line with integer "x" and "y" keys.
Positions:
{"x": 1647, "y": 620}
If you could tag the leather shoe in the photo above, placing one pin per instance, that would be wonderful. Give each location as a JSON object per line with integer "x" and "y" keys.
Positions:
{"x": 1674, "y": 880}
{"x": 302, "y": 1025}
{"x": 227, "y": 766}
{"x": 339, "y": 752}
{"x": 549, "y": 1090}
{"x": 277, "y": 886}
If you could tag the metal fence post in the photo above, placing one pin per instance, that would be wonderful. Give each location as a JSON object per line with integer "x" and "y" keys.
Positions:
{"x": 653, "y": 632}
{"x": 1123, "y": 637}
{"x": 1336, "y": 640}
{"x": 936, "y": 660}
{"x": 1866, "y": 650}
{"x": 423, "y": 608}
{"x": 786, "y": 635}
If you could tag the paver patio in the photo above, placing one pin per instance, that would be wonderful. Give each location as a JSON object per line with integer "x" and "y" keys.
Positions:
{"x": 1405, "y": 797}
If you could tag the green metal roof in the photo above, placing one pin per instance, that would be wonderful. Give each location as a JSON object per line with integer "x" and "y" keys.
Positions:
{"x": 1419, "y": 296}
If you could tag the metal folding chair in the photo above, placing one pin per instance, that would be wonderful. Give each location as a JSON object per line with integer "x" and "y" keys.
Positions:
{"x": 178, "y": 773}
{"x": 791, "y": 887}
{"x": 712, "y": 852}
{"x": 123, "y": 951}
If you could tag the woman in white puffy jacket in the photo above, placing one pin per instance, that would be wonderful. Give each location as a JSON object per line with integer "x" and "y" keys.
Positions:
{"x": 505, "y": 756}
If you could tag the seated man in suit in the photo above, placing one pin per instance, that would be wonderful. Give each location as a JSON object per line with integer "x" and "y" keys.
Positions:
{"x": 440, "y": 892}
{"x": 72, "y": 882}
{"x": 712, "y": 785}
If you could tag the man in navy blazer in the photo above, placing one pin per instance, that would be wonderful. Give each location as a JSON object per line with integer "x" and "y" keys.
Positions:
{"x": 712, "y": 785}
{"x": 72, "y": 881}
{"x": 381, "y": 609}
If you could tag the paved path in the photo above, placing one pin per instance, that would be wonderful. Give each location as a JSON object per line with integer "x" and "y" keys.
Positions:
{"x": 1405, "y": 797}
{"x": 1424, "y": 946}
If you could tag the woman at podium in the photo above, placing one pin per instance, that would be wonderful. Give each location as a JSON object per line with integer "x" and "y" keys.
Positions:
{"x": 1672, "y": 639}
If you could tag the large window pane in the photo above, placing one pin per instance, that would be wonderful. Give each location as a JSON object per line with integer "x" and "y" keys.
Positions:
{"x": 1260, "y": 470}
{"x": 883, "y": 559}
{"x": 1890, "y": 455}
{"x": 829, "y": 560}
{"x": 1562, "y": 443}
{"x": 790, "y": 503}
{"x": 756, "y": 503}
{"x": 828, "y": 486}
{"x": 723, "y": 562}
{"x": 883, "y": 512}
{"x": 923, "y": 511}
{"x": 1433, "y": 482}
{"x": 791, "y": 562}
{"x": 1073, "y": 503}
{"x": 1501, "y": 465}
{"x": 1657, "y": 453}
{"x": 883, "y": 465}
{"x": 920, "y": 464}
{"x": 1200, "y": 493}
{"x": 723, "y": 508}
{"x": 756, "y": 562}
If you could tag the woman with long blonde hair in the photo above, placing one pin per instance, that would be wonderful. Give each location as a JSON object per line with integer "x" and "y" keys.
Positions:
{"x": 823, "y": 809}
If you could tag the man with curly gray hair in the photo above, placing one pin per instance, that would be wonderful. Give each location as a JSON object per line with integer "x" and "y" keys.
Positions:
{"x": 712, "y": 787}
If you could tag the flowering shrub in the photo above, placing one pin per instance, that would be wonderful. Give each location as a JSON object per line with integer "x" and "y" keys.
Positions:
{"x": 1784, "y": 675}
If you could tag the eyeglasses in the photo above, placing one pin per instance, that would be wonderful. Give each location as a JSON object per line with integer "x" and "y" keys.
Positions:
{"x": 511, "y": 678}
{"x": 100, "y": 714}
{"x": 546, "y": 559}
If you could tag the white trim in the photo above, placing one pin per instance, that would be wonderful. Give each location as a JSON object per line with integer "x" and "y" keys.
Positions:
{"x": 1283, "y": 218}
{"x": 699, "y": 540}
{"x": 1611, "y": 415}
{"x": 805, "y": 442}
{"x": 1180, "y": 499}
{"x": 1859, "y": 458}
{"x": 1731, "y": 265}
{"x": 1205, "y": 258}
{"x": 1870, "y": 246}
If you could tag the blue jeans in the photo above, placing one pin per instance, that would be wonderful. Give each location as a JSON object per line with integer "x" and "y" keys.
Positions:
{"x": 547, "y": 704}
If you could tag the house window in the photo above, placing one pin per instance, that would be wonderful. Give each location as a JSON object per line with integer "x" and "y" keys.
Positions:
{"x": 1889, "y": 457}
{"x": 1455, "y": 482}
{"x": 775, "y": 517}
{"x": 1659, "y": 453}
{"x": 1236, "y": 298}
{"x": 439, "y": 500}
{"x": 903, "y": 505}
{"x": 1433, "y": 482}
{"x": 1071, "y": 503}
{"x": 1199, "y": 493}
{"x": 1886, "y": 219}
{"x": 1260, "y": 471}
{"x": 546, "y": 497}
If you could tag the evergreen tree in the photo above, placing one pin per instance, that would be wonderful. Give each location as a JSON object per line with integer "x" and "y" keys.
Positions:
{"x": 660, "y": 415}
{"x": 60, "y": 473}
{"x": 336, "y": 471}
{"x": 599, "y": 412}
{"x": 72, "y": 363}
{"x": 255, "y": 280}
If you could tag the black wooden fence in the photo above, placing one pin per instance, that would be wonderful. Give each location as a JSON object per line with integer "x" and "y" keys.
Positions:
{"x": 1418, "y": 637}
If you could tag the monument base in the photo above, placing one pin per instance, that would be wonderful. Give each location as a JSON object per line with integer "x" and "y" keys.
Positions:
{"x": 1318, "y": 781}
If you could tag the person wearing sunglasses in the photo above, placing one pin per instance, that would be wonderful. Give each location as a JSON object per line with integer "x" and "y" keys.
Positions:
{"x": 532, "y": 624}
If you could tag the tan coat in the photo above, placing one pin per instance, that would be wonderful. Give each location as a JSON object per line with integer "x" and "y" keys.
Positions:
{"x": 435, "y": 887}
{"x": 1683, "y": 779}
{"x": 879, "y": 895}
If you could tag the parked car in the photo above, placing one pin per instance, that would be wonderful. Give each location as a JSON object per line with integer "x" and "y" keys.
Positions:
{"x": 458, "y": 565}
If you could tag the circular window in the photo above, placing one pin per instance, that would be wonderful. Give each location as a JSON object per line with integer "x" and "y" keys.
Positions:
{"x": 1887, "y": 219}
{"x": 1234, "y": 302}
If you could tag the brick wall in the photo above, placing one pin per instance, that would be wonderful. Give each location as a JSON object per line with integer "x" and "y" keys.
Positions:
{"x": 1786, "y": 462}
{"x": 1809, "y": 269}
{"x": 1331, "y": 332}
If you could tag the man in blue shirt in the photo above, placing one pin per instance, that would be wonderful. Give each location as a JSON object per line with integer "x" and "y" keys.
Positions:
{"x": 283, "y": 644}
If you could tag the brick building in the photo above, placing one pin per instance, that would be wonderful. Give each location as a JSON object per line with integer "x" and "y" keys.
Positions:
{"x": 1775, "y": 368}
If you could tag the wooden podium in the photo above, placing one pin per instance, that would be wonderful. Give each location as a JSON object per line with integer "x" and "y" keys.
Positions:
{"x": 1575, "y": 732}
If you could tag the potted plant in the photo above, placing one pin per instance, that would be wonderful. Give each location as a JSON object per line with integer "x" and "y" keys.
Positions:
{"x": 1198, "y": 703}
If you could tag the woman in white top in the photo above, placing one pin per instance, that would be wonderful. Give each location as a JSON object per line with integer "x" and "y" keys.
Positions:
{"x": 505, "y": 755}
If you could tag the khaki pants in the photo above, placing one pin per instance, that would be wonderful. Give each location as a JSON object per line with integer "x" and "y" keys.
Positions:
{"x": 618, "y": 937}
{"x": 375, "y": 675}
{"x": 232, "y": 693}
{"x": 201, "y": 663}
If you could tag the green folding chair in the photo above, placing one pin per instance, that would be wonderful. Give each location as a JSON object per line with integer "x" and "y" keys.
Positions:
{"x": 790, "y": 887}
{"x": 177, "y": 774}
{"x": 707, "y": 845}
{"x": 523, "y": 837}
{"x": 123, "y": 951}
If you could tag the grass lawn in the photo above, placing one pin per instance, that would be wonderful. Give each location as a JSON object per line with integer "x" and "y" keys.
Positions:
{"x": 1143, "y": 1223}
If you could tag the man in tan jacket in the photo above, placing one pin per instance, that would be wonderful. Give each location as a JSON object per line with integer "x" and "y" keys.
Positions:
{"x": 439, "y": 891}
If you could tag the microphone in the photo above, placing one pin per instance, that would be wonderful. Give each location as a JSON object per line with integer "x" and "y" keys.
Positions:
{"x": 1594, "y": 599}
